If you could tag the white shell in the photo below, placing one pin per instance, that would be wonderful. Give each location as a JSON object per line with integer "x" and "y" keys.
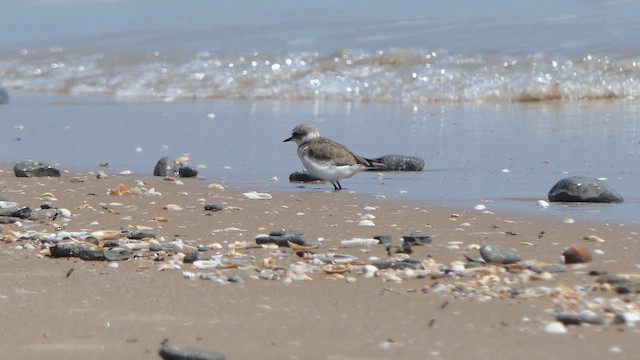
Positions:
{"x": 555, "y": 327}
{"x": 366, "y": 223}
{"x": 359, "y": 242}
{"x": 479, "y": 207}
{"x": 257, "y": 196}
{"x": 543, "y": 204}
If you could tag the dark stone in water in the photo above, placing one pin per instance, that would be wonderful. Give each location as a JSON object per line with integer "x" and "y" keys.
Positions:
{"x": 176, "y": 353}
{"x": 187, "y": 172}
{"x": 167, "y": 166}
{"x": 213, "y": 207}
{"x": 398, "y": 163}
{"x": 303, "y": 177}
{"x": 499, "y": 254}
{"x": 416, "y": 239}
{"x": 583, "y": 189}
{"x": 35, "y": 169}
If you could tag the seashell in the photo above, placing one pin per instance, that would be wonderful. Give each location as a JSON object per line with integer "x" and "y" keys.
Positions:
{"x": 568, "y": 221}
{"x": 106, "y": 234}
{"x": 367, "y": 217}
{"x": 113, "y": 265}
{"x": 145, "y": 264}
{"x": 555, "y": 327}
{"x": 268, "y": 262}
{"x": 576, "y": 254}
{"x": 160, "y": 218}
{"x": 369, "y": 271}
{"x": 172, "y": 207}
{"x": 336, "y": 258}
{"x": 366, "y": 223}
{"x": 48, "y": 197}
{"x": 542, "y": 204}
{"x": 296, "y": 247}
{"x": 120, "y": 190}
{"x": 389, "y": 276}
{"x": 215, "y": 187}
{"x": 125, "y": 172}
{"x": 257, "y": 196}
{"x": 480, "y": 207}
{"x": 593, "y": 238}
{"x": 335, "y": 268}
{"x": 357, "y": 242}
{"x": 8, "y": 239}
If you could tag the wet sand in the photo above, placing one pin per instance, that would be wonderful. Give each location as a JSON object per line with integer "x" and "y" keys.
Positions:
{"x": 66, "y": 308}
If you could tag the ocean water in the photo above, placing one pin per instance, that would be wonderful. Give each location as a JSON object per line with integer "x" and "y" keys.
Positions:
{"x": 501, "y": 99}
{"x": 414, "y": 52}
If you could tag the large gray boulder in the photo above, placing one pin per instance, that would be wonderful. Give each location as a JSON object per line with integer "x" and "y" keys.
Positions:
{"x": 583, "y": 189}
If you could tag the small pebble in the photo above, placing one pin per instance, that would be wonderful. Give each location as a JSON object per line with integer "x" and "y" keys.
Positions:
{"x": 366, "y": 223}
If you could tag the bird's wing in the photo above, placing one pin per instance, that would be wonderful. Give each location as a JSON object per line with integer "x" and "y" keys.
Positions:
{"x": 326, "y": 150}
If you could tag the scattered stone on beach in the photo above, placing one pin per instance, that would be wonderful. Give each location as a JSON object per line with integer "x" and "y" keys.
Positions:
{"x": 417, "y": 239}
{"x": 398, "y": 163}
{"x": 177, "y": 353}
{"x": 20, "y": 213}
{"x": 583, "y": 189}
{"x": 282, "y": 238}
{"x": 168, "y": 166}
{"x": 383, "y": 239}
{"x": 583, "y": 317}
{"x": 88, "y": 253}
{"x": 138, "y": 234}
{"x": 35, "y": 169}
{"x": 4, "y": 96}
{"x": 213, "y": 207}
{"x": 576, "y": 254}
{"x": 499, "y": 254}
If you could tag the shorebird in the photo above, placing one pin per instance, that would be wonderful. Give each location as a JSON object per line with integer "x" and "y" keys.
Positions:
{"x": 326, "y": 159}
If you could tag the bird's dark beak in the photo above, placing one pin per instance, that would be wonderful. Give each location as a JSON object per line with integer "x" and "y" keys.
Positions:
{"x": 288, "y": 139}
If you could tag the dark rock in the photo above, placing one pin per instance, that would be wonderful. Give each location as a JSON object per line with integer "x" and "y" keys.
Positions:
{"x": 237, "y": 279}
{"x": 302, "y": 176}
{"x": 286, "y": 232}
{"x": 88, "y": 253}
{"x": 583, "y": 189}
{"x": 167, "y": 166}
{"x": 4, "y": 96}
{"x": 417, "y": 239}
{"x": 138, "y": 234}
{"x": 585, "y": 317}
{"x": 39, "y": 214}
{"x": 282, "y": 241}
{"x": 213, "y": 207}
{"x": 8, "y": 219}
{"x": 187, "y": 172}
{"x": 35, "y": 169}
{"x": 499, "y": 254}
{"x": 110, "y": 243}
{"x": 383, "y": 239}
{"x": 21, "y": 213}
{"x": 540, "y": 268}
{"x": 176, "y": 353}
{"x": 398, "y": 163}
{"x": 195, "y": 256}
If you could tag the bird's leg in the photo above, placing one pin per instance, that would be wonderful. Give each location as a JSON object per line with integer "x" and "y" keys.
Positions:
{"x": 339, "y": 187}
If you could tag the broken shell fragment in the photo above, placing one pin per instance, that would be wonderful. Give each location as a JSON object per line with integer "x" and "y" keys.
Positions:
{"x": 335, "y": 268}
{"x": 106, "y": 234}
{"x": 576, "y": 254}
